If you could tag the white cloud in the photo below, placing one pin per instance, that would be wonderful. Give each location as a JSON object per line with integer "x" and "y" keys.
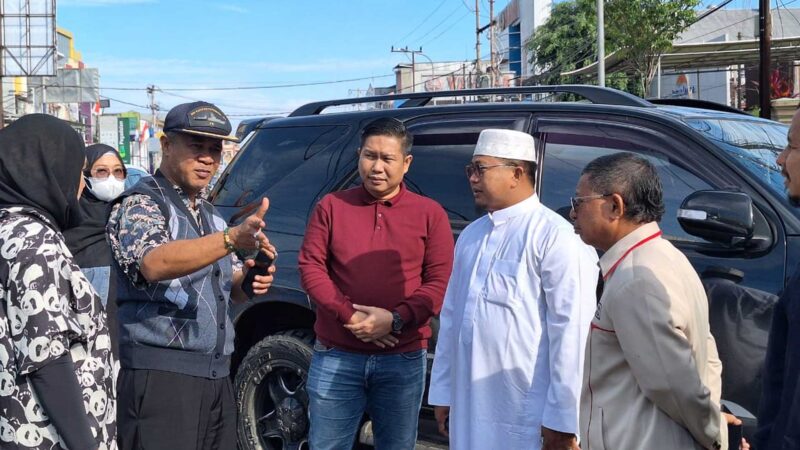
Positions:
{"x": 232, "y": 8}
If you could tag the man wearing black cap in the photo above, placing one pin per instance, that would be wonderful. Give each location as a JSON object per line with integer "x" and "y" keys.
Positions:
{"x": 176, "y": 274}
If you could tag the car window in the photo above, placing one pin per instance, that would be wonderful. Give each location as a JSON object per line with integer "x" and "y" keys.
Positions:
{"x": 442, "y": 147}
{"x": 568, "y": 150}
{"x": 270, "y": 155}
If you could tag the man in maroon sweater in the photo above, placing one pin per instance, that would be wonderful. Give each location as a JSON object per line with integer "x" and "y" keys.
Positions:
{"x": 375, "y": 260}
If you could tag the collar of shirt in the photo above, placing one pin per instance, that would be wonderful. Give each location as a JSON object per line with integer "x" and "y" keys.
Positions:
{"x": 187, "y": 201}
{"x": 623, "y": 245}
{"x": 501, "y": 216}
{"x": 368, "y": 199}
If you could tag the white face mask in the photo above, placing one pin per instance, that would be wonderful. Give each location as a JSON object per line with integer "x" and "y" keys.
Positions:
{"x": 106, "y": 189}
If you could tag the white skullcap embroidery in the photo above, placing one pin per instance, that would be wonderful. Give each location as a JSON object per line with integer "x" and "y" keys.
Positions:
{"x": 507, "y": 144}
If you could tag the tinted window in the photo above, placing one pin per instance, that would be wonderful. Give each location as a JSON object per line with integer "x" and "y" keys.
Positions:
{"x": 443, "y": 146}
{"x": 566, "y": 153}
{"x": 438, "y": 172}
{"x": 754, "y": 144}
{"x": 269, "y": 156}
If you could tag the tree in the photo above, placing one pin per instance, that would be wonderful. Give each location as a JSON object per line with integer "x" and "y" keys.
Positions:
{"x": 643, "y": 30}
{"x": 564, "y": 43}
{"x": 640, "y": 30}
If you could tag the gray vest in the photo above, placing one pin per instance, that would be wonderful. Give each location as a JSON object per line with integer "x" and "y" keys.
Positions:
{"x": 180, "y": 325}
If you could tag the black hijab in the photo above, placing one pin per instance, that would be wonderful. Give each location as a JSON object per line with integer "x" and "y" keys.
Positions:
{"x": 41, "y": 158}
{"x": 97, "y": 151}
{"x": 87, "y": 241}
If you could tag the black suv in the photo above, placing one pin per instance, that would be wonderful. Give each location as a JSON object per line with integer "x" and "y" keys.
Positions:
{"x": 726, "y": 209}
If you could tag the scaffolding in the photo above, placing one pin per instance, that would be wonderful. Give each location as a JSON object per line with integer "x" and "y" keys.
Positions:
{"x": 27, "y": 38}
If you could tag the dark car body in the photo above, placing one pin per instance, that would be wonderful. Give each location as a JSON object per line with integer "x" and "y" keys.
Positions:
{"x": 295, "y": 161}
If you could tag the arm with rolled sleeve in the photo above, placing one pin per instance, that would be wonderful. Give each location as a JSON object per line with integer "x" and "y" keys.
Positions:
{"x": 135, "y": 227}
{"x": 561, "y": 282}
{"x": 661, "y": 359}
{"x": 426, "y": 300}
{"x": 313, "y": 263}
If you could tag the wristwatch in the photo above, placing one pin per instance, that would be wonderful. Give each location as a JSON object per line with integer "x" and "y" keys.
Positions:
{"x": 397, "y": 322}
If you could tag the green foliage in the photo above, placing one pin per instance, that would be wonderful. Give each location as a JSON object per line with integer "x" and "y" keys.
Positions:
{"x": 643, "y": 30}
{"x": 640, "y": 30}
{"x": 567, "y": 41}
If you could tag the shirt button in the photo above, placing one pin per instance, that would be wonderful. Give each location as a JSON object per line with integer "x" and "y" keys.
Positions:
{"x": 380, "y": 215}
{"x": 378, "y": 227}
{"x": 216, "y": 273}
{"x": 222, "y": 326}
{"x": 221, "y": 298}
{"x": 216, "y": 356}
{"x": 213, "y": 373}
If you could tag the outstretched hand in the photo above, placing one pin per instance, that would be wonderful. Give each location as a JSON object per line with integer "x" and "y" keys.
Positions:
{"x": 248, "y": 235}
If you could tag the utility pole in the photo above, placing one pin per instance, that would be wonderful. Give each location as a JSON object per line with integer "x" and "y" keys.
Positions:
{"x": 477, "y": 41}
{"x": 765, "y": 40}
{"x": 413, "y": 63}
{"x": 151, "y": 94}
{"x": 601, "y": 44}
{"x": 492, "y": 76}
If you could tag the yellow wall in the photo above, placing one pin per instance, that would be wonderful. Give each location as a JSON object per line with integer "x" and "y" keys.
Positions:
{"x": 74, "y": 56}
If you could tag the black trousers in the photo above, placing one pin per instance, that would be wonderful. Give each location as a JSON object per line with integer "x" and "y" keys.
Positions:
{"x": 169, "y": 411}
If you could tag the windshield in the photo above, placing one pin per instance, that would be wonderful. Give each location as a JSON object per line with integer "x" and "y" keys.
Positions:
{"x": 755, "y": 145}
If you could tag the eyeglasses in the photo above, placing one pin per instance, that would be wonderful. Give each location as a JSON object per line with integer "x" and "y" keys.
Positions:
{"x": 577, "y": 201}
{"x": 103, "y": 173}
{"x": 476, "y": 168}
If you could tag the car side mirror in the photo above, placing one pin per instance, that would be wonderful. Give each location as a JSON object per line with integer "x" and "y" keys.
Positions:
{"x": 725, "y": 217}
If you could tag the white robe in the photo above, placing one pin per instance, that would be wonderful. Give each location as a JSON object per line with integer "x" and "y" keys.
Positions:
{"x": 509, "y": 357}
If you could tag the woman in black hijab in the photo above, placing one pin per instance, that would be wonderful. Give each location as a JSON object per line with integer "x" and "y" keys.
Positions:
{"x": 56, "y": 365}
{"x": 106, "y": 173}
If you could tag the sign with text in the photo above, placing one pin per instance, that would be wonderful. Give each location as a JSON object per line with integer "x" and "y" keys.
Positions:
{"x": 124, "y": 139}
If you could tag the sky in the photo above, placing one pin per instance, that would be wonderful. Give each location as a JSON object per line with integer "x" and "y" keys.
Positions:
{"x": 189, "y": 49}
{"x": 178, "y": 45}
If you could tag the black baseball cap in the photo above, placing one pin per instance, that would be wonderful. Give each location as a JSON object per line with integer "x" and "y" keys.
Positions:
{"x": 201, "y": 119}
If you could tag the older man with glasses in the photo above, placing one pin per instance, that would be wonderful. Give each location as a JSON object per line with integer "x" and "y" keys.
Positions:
{"x": 516, "y": 312}
{"x": 652, "y": 377}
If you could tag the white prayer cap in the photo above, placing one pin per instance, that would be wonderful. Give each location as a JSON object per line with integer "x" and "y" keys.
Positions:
{"x": 507, "y": 144}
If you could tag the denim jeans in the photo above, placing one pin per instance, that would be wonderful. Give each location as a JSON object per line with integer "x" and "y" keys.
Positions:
{"x": 343, "y": 385}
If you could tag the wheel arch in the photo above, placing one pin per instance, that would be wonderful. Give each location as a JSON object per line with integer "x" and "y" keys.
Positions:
{"x": 264, "y": 319}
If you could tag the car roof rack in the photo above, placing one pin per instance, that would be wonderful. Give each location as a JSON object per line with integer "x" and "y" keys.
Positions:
{"x": 696, "y": 103}
{"x": 595, "y": 94}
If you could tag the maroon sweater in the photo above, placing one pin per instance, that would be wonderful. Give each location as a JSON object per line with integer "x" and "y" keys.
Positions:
{"x": 394, "y": 254}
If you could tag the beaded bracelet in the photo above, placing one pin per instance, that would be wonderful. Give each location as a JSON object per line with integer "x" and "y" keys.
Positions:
{"x": 228, "y": 244}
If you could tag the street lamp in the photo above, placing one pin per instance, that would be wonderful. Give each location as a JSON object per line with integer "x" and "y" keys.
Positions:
{"x": 433, "y": 73}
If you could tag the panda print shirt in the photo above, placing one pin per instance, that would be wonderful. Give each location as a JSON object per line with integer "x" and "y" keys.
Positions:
{"x": 48, "y": 308}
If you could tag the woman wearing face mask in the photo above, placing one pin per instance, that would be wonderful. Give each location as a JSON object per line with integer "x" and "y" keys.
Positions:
{"x": 56, "y": 366}
{"x": 105, "y": 180}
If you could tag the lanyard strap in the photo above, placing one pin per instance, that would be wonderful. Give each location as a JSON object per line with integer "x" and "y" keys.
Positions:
{"x": 628, "y": 252}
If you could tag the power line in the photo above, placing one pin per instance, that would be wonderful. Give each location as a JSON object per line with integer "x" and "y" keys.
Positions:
{"x": 423, "y": 21}
{"x": 447, "y": 29}
{"x": 126, "y": 103}
{"x": 448, "y": 17}
{"x": 279, "y": 86}
{"x": 227, "y": 105}
{"x": 788, "y": 11}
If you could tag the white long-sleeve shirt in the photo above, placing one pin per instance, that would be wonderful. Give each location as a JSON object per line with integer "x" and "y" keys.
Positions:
{"x": 516, "y": 315}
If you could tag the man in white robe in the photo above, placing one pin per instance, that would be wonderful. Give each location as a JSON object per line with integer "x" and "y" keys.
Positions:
{"x": 516, "y": 314}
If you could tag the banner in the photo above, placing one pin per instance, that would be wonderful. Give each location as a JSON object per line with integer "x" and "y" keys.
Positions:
{"x": 124, "y": 139}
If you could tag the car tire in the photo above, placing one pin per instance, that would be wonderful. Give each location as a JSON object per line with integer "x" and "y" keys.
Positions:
{"x": 270, "y": 389}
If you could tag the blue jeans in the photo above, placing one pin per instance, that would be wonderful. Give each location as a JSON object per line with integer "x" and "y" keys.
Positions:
{"x": 343, "y": 385}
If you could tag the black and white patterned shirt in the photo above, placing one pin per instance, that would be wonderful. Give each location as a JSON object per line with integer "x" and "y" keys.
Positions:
{"x": 48, "y": 308}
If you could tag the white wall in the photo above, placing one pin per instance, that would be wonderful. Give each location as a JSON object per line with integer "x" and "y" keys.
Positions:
{"x": 711, "y": 86}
